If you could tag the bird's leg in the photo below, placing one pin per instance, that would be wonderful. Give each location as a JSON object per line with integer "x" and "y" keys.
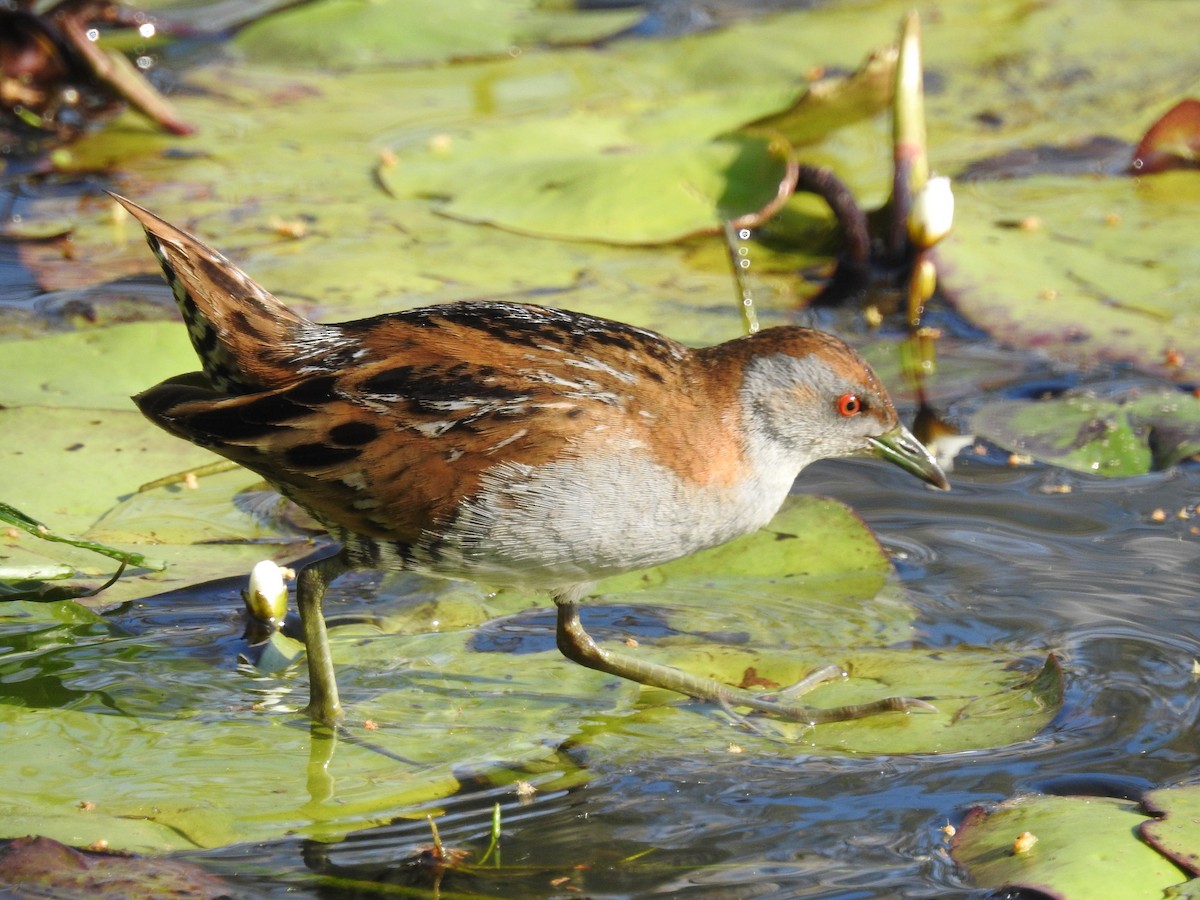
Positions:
{"x": 323, "y": 703}
{"x": 577, "y": 645}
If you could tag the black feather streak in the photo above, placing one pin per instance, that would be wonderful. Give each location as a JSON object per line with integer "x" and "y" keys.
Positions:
{"x": 319, "y": 456}
{"x": 433, "y": 385}
{"x": 223, "y": 426}
{"x": 353, "y": 434}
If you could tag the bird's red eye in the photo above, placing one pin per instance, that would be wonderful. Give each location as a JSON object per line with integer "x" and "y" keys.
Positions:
{"x": 849, "y": 405}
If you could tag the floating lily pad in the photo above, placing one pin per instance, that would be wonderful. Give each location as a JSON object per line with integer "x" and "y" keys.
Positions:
{"x": 1086, "y": 847}
{"x": 131, "y": 358}
{"x": 1176, "y": 831}
{"x": 347, "y": 34}
{"x": 215, "y": 756}
{"x": 76, "y": 452}
{"x": 256, "y": 158}
{"x": 635, "y": 173}
{"x": 49, "y": 868}
{"x": 1089, "y": 268}
{"x": 112, "y": 721}
{"x": 623, "y": 193}
{"x": 1084, "y": 269}
{"x": 1124, "y": 436}
{"x": 982, "y": 699}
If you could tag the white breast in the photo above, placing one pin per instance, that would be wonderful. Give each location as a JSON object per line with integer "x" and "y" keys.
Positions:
{"x": 577, "y": 520}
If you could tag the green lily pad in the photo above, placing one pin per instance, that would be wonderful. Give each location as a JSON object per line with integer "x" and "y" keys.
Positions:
{"x": 1128, "y": 435}
{"x": 633, "y": 173}
{"x": 1084, "y": 269}
{"x": 1176, "y": 831}
{"x": 157, "y": 775}
{"x": 622, "y": 193}
{"x": 60, "y": 370}
{"x": 76, "y": 452}
{"x": 1086, "y": 847}
{"x": 256, "y": 158}
{"x": 347, "y": 34}
{"x": 1088, "y": 268}
{"x": 981, "y": 698}
{"x": 186, "y": 754}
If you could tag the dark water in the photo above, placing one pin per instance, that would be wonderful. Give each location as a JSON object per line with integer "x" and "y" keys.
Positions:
{"x": 1004, "y": 560}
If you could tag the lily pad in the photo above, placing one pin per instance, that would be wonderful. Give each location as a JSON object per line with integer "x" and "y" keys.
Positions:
{"x": 76, "y": 452}
{"x": 211, "y": 754}
{"x": 632, "y": 173}
{"x": 1088, "y": 268}
{"x": 1085, "y": 847}
{"x": 256, "y": 158}
{"x": 1176, "y": 831}
{"x": 1123, "y": 436}
{"x": 623, "y": 193}
{"x": 156, "y": 775}
{"x": 1083, "y": 269}
{"x": 131, "y": 357}
{"x": 39, "y": 864}
{"x": 981, "y": 699}
{"x": 347, "y": 34}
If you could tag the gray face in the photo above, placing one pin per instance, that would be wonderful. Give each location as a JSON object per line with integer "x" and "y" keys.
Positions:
{"x": 812, "y": 407}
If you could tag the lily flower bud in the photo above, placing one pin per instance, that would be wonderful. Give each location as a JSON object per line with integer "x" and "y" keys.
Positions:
{"x": 267, "y": 595}
{"x": 932, "y": 213}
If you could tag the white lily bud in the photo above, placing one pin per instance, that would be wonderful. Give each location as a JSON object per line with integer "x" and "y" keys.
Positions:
{"x": 932, "y": 213}
{"x": 267, "y": 595}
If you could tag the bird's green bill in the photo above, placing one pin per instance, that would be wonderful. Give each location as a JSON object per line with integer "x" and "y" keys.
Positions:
{"x": 900, "y": 447}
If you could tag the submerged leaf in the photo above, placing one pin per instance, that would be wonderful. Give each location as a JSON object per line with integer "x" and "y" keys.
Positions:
{"x": 1121, "y": 436}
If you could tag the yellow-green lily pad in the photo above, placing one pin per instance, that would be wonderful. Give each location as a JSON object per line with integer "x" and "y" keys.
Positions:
{"x": 348, "y": 34}
{"x": 168, "y": 750}
{"x": 1176, "y": 830}
{"x": 75, "y": 453}
{"x": 164, "y": 752}
{"x": 1078, "y": 848}
{"x": 982, "y": 699}
{"x": 1087, "y": 269}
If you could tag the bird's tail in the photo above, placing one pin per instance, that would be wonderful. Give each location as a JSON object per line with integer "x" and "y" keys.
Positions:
{"x": 243, "y": 335}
